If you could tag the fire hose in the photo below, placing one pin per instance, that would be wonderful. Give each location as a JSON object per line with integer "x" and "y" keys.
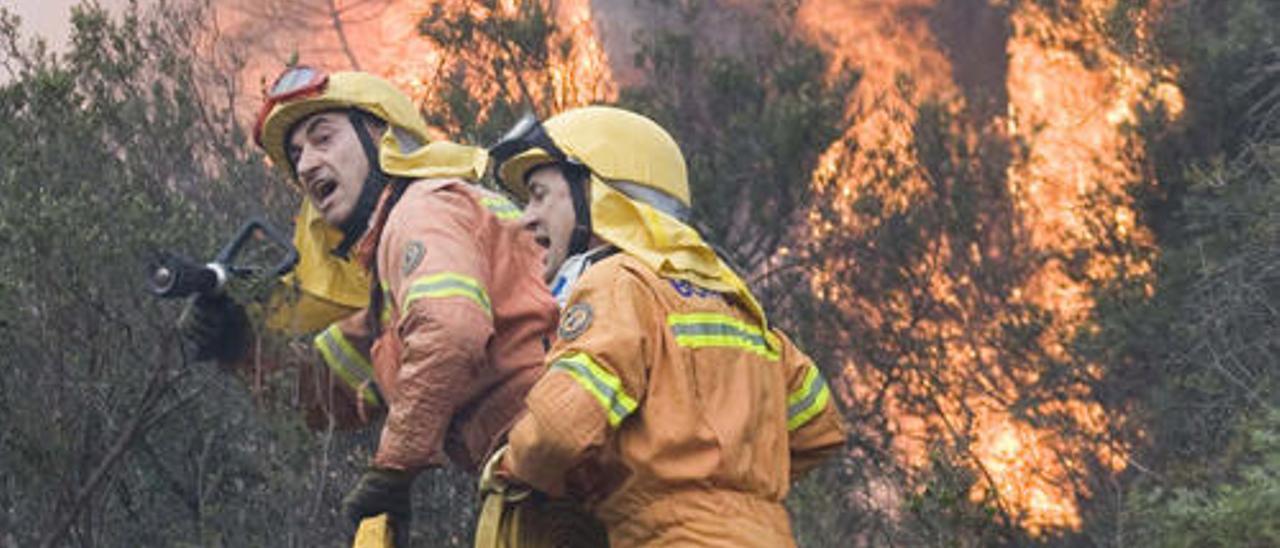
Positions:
{"x": 174, "y": 276}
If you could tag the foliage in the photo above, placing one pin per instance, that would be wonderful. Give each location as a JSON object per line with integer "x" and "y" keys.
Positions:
{"x": 500, "y": 61}
{"x": 1199, "y": 352}
{"x": 1237, "y": 512}
{"x": 752, "y": 123}
{"x": 108, "y": 154}
{"x": 1211, "y": 418}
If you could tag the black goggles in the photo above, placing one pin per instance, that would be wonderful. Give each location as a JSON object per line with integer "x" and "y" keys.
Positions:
{"x": 527, "y": 134}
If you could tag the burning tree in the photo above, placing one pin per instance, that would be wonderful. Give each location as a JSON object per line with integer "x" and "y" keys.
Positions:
{"x": 957, "y": 206}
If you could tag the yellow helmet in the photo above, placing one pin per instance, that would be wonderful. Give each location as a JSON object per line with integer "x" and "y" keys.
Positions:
{"x": 302, "y": 91}
{"x": 639, "y": 192}
{"x": 616, "y": 145}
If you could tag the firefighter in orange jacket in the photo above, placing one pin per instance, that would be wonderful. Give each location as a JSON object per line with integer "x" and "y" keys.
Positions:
{"x": 333, "y": 377}
{"x": 457, "y": 320}
{"x": 670, "y": 407}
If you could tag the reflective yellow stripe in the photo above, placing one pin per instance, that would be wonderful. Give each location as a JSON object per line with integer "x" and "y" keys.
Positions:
{"x": 705, "y": 329}
{"x": 501, "y": 208}
{"x": 603, "y": 385}
{"x": 447, "y": 284}
{"x": 348, "y": 364}
{"x": 807, "y": 401}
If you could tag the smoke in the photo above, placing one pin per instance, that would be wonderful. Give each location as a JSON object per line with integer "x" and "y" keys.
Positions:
{"x": 729, "y": 27}
{"x": 50, "y": 20}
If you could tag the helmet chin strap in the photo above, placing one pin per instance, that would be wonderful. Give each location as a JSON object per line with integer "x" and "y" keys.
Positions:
{"x": 578, "y": 177}
{"x": 358, "y": 222}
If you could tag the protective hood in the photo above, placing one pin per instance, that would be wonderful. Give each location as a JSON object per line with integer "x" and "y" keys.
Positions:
{"x": 671, "y": 248}
{"x": 329, "y": 288}
{"x": 401, "y": 157}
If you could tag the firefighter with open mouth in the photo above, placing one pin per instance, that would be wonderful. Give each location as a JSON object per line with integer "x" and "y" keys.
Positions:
{"x": 670, "y": 408}
{"x": 454, "y": 331}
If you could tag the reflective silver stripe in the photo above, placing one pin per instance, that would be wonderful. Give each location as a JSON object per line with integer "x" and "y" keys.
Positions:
{"x": 501, "y": 207}
{"x": 348, "y": 364}
{"x": 408, "y": 141}
{"x": 658, "y": 199}
{"x": 601, "y": 384}
{"x": 447, "y": 284}
{"x": 705, "y": 329}
{"x": 807, "y": 401}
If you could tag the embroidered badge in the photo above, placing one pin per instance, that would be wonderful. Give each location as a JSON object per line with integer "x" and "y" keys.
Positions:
{"x": 413, "y": 253}
{"x": 575, "y": 321}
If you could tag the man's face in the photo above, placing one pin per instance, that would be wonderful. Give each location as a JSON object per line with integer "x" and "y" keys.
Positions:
{"x": 331, "y": 164}
{"x": 549, "y": 215}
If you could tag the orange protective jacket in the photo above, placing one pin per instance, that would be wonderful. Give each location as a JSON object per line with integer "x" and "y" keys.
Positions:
{"x": 467, "y": 321}
{"x": 465, "y": 324}
{"x": 668, "y": 413}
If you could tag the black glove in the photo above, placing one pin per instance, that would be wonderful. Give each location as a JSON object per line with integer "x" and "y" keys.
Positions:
{"x": 216, "y": 327}
{"x": 383, "y": 491}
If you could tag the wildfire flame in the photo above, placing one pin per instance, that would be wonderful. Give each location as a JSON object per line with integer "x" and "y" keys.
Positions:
{"x": 1078, "y": 163}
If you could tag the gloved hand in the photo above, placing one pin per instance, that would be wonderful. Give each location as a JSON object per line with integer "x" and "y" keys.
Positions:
{"x": 383, "y": 491}
{"x": 216, "y": 326}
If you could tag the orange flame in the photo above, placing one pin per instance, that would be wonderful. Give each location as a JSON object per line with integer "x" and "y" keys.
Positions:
{"x": 1073, "y": 178}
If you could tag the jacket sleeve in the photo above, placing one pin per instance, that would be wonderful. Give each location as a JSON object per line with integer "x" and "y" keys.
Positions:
{"x": 436, "y": 269}
{"x": 339, "y": 386}
{"x": 596, "y": 378}
{"x": 331, "y": 387}
{"x": 815, "y": 428}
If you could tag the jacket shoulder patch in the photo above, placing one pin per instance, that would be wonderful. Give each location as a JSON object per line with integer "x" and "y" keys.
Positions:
{"x": 413, "y": 253}
{"x": 575, "y": 321}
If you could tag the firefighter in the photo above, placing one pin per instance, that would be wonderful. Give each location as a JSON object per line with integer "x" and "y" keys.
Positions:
{"x": 670, "y": 408}
{"x": 453, "y": 335}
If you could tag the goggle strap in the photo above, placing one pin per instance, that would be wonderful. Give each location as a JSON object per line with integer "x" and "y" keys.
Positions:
{"x": 527, "y": 134}
{"x": 578, "y": 178}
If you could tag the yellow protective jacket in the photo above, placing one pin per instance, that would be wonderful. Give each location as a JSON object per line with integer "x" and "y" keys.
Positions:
{"x": 668, "y": 413}
{"x": 465, "y": 325}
